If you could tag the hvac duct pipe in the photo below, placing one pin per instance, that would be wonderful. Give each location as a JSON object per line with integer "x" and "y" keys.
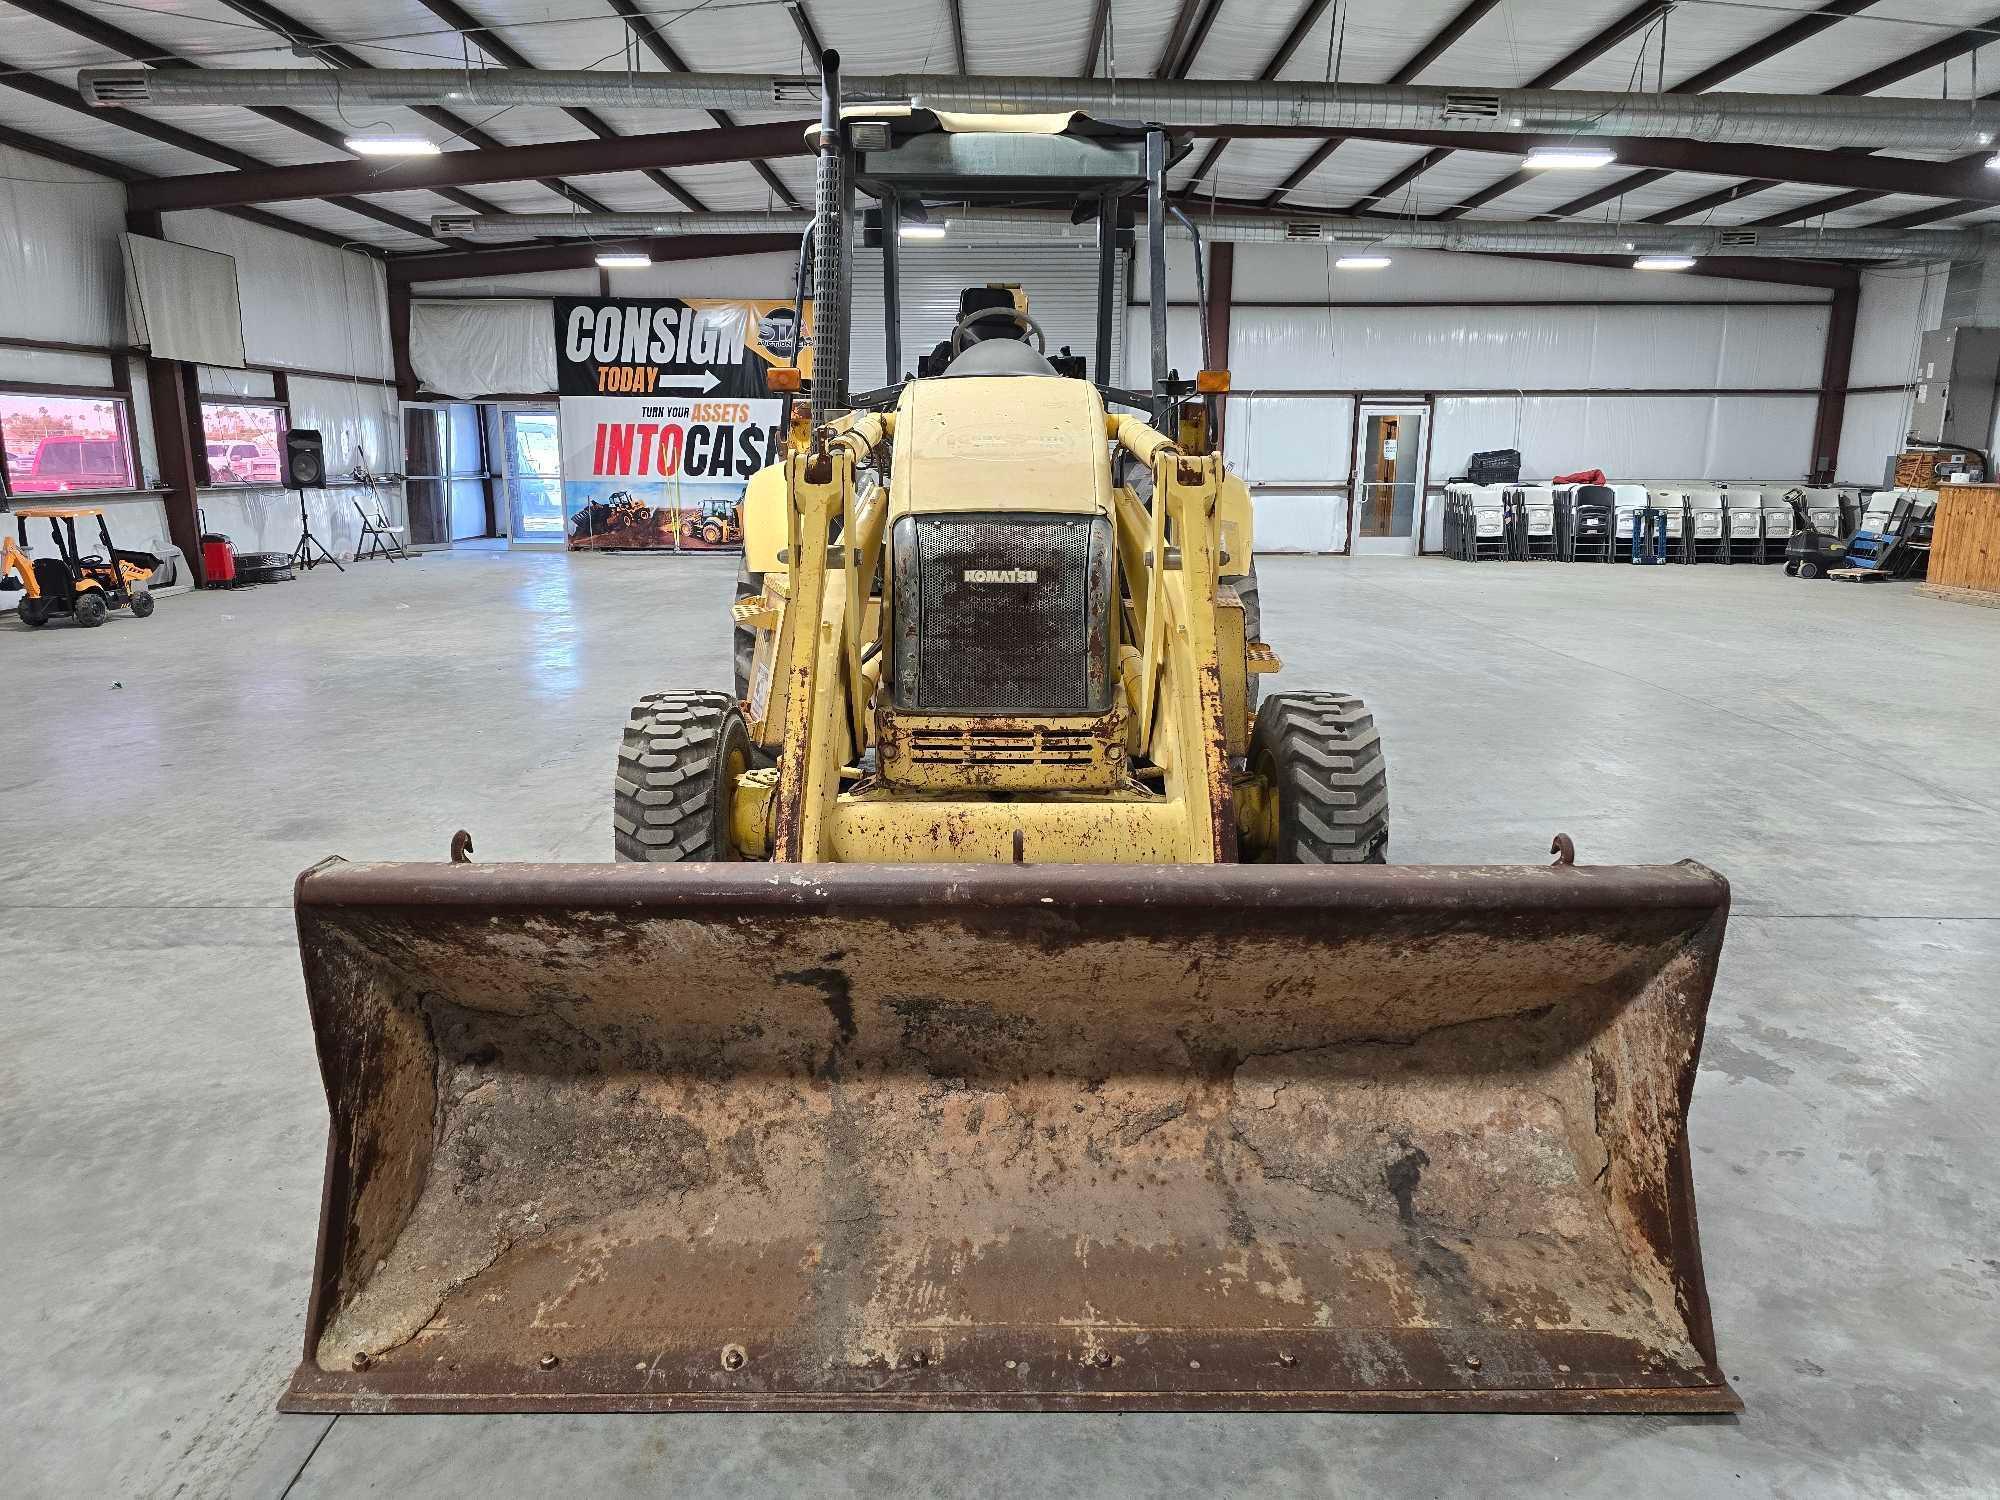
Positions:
{"x": 1814, "y": 121}
{"x": 1492, "y": 236}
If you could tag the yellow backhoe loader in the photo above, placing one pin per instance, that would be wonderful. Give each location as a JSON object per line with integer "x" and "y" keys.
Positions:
{"x": 995, "y": 1005}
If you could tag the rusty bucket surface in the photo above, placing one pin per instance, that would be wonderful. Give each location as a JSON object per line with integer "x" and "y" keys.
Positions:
{"x": 749, "y": 1136}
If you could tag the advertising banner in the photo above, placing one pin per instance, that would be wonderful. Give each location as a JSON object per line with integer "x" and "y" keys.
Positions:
{"x": 666, "y": 415}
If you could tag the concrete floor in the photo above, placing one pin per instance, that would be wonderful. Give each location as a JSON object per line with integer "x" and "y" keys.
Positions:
{"x": 1835, "y": 750}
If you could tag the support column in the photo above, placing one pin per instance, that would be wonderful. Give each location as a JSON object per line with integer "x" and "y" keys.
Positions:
{"x": 1221, "y": 293}
{"x": 1833, "y": 375}
{"x": 399, "y": 341}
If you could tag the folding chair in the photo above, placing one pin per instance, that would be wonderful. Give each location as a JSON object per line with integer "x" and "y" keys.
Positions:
{"x": 1671, "y": 500}
{"x": 1707, "y": 524}
{"x": 1535, "y": 512}
{"x": 1592, "y": 522}
{"x": 1743, "y": 524}
{"x": 1627, "y": 501}
{"x": 1488, "y": 534}
{"x": 378, "y": 537}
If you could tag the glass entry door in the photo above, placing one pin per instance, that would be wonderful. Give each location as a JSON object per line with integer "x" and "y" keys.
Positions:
{"x": 1388, "y": 478}
{"x": 531, "y": 469}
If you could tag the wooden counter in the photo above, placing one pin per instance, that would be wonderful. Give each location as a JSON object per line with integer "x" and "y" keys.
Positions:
{"x": 1965, "y": 544}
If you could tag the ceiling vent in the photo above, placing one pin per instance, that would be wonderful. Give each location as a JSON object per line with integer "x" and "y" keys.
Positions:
{"x": 1471, "y": 106}
{"x": 1301, "y": 230}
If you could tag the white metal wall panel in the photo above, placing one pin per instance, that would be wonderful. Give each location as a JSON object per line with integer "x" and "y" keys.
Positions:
{"x": 532, "y": 284}
{"x": 1631, "y": 437}
{"x": 1299, "y": 520}
{"x": 357, "y": 420}
{"x": 1769, "y": 348}
{"x": 54, "y": 367}
{"x": 747, "y": 276}
{"x": 1290, "y": 440}
{"x": 1766, "y": 437}
{"x": 62, "y": 267}
{"x": 1060, "y": 280}
{"x": 1183, "y": 344}
{"x": 212, "y": 380}
{"x": 1898, "y": 303}
{"x": 305, "y": 306}
{"x": 484, "y": 346}
{"x": 1872, "y": 430}
{"x": 1524, "y": 348}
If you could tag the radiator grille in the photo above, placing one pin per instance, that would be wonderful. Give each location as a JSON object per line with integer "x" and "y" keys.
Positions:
{"x": 988, "y": 745}
{"x": 1003, "y": 614}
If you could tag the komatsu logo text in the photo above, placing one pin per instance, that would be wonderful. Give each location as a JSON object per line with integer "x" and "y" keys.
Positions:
{"x": 1002, "y": 575}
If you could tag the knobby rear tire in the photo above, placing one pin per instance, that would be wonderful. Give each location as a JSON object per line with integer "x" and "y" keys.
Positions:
{"x": 677, "y": 764}
{"x": 1323, "y": 755}
{"x": 748, "y": 586}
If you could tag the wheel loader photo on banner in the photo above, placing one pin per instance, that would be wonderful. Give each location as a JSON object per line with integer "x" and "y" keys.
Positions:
{"x": 1001, "y": 998}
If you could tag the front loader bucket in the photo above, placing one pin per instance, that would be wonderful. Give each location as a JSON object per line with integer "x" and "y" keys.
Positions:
{"x": 611, "y": 1138}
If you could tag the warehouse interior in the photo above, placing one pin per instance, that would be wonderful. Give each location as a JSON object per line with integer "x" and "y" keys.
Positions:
{"x": 1616, "y": 418}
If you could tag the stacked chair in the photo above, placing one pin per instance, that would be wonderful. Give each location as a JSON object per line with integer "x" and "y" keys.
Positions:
{"x": 1742, "y": 524}
{"x": 1681, "y": 521}
{"x": 1478, "y": 525}
{"x": 1533, "y": 511}
{"x": 1588, "y": 520}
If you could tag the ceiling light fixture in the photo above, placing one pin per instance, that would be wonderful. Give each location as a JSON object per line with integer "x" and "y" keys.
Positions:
{"x": 1569, "y": 158}
{"x": 922, "y": 231}
{"x": 391, "y": 145}
{"x": 1664, "y": 263}
{"x": 1361, "y": 263}
{"x": 624, "y": 260}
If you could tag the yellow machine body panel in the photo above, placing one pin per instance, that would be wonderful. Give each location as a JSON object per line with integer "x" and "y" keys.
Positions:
{"x": 992, "y": 443}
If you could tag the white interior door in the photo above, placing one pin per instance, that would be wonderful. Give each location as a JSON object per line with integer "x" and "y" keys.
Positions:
{"x": 1391, "y": 449}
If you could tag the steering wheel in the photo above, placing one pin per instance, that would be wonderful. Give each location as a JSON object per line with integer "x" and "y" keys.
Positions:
{"x": 1028, "y": 325}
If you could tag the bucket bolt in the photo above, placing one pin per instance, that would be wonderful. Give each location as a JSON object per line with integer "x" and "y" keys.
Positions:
{"x": 549, "y": 1361}
{"x": 733, "y": 1357}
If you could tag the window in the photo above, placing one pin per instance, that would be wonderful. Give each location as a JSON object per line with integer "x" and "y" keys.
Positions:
{"x": 59, "y": 443}
{"x": 245, "y": 441}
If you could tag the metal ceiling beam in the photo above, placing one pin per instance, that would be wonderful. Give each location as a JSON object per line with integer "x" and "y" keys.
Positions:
{"x": 1176, "y": 35}
{"x": 956, "y": 12}
{"x": 1967, "y": 177}
{"x": 1735, "y": 268}
{"x": 1204, "y": 21}
{"x": 138, "y": 49}
{"x": 1632, "y": 21}
{"x": 299, "y": 36}
{"x": 627, "y": 153}
{"x": 655, "y": 42}
{"x": 37, "y": 87}
{"x": 1100, "y": 17}
{"x": 1741, "y": 61}
{"x": 489, "y": 41}
{"x": 1301, "y": 28}
{"x": 407, "y": 270}
{"x": 118, "y": 171}
{"x": 1430, "y": 52}
{"x": 808, "y": 33}
{"x": 1947, "y": 49}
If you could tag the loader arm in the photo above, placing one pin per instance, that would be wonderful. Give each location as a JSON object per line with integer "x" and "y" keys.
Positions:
{"x": 14, "y": 560}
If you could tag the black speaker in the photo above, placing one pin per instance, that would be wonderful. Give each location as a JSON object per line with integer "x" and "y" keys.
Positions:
{"x": 305, "y": 460}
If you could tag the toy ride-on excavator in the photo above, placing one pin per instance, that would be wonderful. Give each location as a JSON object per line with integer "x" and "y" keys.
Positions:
{"x": 85, "y": 587}
{"x": 994, "y": 1005}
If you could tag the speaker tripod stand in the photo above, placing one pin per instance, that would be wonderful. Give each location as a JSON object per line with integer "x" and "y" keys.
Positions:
{"x": 311, "y": 551}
